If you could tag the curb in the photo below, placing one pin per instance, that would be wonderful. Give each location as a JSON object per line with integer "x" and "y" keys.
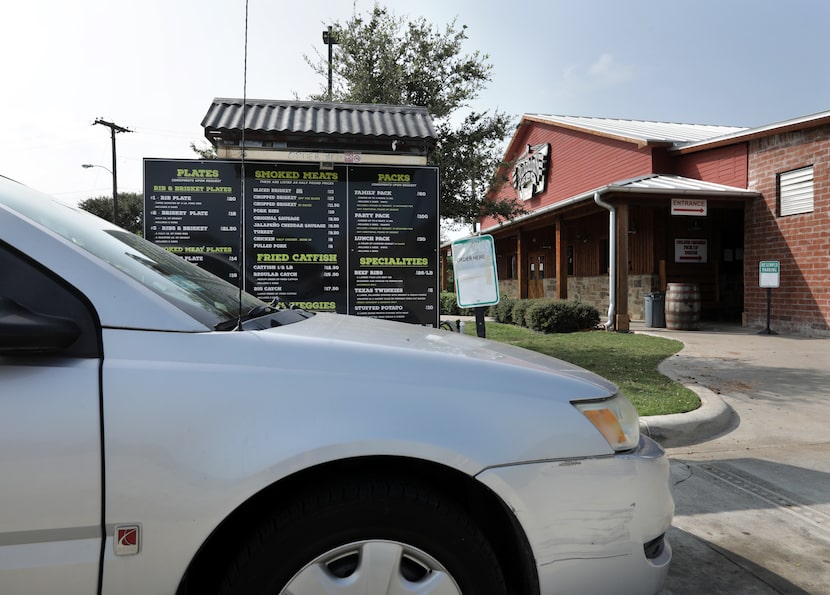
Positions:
{"x": 712, "y": 418}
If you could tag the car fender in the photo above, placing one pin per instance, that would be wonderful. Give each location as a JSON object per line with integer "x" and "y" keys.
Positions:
{"x": 197, "y": 423}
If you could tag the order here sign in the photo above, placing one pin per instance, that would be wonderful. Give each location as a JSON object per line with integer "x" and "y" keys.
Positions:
{"x": 474, "y": 266}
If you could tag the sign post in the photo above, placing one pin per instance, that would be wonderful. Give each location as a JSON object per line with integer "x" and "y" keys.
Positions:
{"x": 769, "y": 275}
{"x": 476, "y": 278}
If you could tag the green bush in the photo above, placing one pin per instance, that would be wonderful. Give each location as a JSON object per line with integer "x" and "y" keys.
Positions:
{"x": 517, "y": 313}
{"x": 587, "y": 316}
{"x": 503, "y": 311}
{"x": 449, "y": 304}
{"x": 550, "y": 316}
{"x": 560, "y": 316}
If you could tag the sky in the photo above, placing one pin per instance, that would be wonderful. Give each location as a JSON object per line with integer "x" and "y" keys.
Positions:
{"x": 154, "y": 67}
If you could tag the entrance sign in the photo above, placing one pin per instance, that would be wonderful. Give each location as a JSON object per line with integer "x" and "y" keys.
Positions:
{"x": 353, "y": 239}
{"x": 769, "y": 273}
{"x": 690, "y": 250}
{"x": 689, "y": 207}
{"x": 474, "y": 266}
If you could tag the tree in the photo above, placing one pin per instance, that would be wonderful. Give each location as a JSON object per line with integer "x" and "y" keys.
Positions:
{"x": 130, "y": 210}
{"x": 380, "y": 58}
{"x": 206, "y": 151}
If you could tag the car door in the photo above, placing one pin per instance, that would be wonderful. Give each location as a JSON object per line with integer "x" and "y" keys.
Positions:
{"x": 50, "y": 431}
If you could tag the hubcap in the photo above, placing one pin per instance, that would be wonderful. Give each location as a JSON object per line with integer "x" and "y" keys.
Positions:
{"x": 382, "y": 567}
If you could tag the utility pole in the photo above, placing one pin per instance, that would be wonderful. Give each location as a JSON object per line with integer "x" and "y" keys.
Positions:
{"x": 114, "y": 128}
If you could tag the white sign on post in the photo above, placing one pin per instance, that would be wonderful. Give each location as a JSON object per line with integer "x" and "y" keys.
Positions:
{"x": 769, "y": 273}
{"x": 474, "y": 266}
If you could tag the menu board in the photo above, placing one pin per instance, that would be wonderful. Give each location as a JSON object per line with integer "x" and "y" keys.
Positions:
{"x": 192, "y": 209}
{"x": 393, "y": 230}
{"x": 360, "y": 240}
{"x": 296, "y": 235}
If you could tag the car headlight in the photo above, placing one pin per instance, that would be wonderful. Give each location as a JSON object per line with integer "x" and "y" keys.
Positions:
{"x": 615, "y": 418}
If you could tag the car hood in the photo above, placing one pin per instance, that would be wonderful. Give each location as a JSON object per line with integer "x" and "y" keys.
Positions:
{"x": 335, "y": 386}
{"x": 400, "y": 340}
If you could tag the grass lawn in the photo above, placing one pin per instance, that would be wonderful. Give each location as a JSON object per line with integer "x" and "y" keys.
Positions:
{"x": 628, "y": 360}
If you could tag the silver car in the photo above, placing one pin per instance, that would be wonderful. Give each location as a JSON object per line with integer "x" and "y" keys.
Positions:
{"x": 164, "y": 433}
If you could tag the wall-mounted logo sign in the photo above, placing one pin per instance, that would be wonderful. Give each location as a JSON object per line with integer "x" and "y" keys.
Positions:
{"x": 531, "y": 171}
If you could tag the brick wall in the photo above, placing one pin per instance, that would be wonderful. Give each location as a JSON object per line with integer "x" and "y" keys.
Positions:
{"x": 801, "y": 243}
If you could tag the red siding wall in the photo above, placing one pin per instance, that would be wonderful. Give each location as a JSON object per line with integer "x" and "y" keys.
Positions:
{"x": 801, "y": 243}
{"x": 725, "y": 165}
{"x": 579, "y": 162}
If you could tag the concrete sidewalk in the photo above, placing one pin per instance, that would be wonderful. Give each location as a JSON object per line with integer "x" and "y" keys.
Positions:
{"x": 723, "y": 360}
{"x": 751, "y": 469}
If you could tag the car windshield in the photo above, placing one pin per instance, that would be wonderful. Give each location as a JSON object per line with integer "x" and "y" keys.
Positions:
{"x": 201, "y": 294}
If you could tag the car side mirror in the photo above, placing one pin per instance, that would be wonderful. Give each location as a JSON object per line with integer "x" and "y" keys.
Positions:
{"x": 23, "y": 332}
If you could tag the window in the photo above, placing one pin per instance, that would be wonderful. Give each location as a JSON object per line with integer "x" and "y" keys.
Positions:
{"x": 27, "y": 284}
{"x": 795, "y": 191}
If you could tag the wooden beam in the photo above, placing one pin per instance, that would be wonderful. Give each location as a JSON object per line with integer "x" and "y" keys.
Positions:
{"x": 622, "y": 312}
{"x": 561, "y": 255}
{"x": 521, "y": 256}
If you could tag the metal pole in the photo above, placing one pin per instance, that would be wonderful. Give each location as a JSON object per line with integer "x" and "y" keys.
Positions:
{"x": 768, "y": 331}
{"x": 481, "y": 330}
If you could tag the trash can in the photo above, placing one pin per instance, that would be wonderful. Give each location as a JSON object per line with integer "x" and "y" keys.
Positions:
{"x": 656, "y": 309}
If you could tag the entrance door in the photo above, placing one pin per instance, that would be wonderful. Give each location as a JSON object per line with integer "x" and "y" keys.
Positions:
{"x": 536, "y": 275}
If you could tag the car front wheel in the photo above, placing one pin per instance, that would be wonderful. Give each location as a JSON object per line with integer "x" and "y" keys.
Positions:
{"x": 370, "y": 537}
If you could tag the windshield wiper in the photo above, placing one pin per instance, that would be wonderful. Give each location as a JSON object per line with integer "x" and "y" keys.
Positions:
{"x": 268, "y": 316}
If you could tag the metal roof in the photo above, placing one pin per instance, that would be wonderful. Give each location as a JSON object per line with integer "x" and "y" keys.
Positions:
{"x": 318, "y": 119}
{"x": 662, "y": 183}
{"x": 657, "y": 184}
{"x": 639, "y": 131}
{"x": 746, "y": 134}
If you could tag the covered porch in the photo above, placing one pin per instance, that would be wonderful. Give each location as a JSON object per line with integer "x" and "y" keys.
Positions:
{"x": 613, "y": 245}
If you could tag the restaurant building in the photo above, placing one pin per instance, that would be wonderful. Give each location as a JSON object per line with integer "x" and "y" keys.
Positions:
{"x": 617, "y": 210}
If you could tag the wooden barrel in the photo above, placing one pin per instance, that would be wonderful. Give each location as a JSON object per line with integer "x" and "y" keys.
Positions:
{"x": 682, "y": 306}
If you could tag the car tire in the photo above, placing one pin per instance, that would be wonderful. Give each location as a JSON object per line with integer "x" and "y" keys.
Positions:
{"x": 389, "y": 536}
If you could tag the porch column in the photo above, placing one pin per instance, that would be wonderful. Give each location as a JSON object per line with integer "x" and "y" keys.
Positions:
{"x": 561, "y": 255}
{"x": 622, "y": 316}
{"x": 521, "y": 255}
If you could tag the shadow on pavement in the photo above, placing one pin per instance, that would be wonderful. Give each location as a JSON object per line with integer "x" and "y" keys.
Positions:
{"x": 699, "y": 566}
{"x": 748, "y": 525}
